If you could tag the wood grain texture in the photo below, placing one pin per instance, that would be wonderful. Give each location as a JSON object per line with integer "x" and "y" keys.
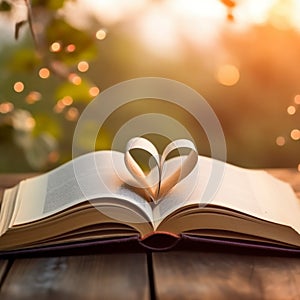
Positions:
{"x": 191, "y": 275}
{"x": 111, "y": 276}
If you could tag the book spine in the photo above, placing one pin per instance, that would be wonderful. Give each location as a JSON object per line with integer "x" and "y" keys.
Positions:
{"x": 159, "y": 240}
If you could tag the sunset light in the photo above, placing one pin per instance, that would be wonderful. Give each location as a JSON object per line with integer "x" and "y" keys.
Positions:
{"x": 241, "y": 55}
{"x": 160, "y": 25}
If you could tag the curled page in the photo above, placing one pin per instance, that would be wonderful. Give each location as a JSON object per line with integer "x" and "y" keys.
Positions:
{"x": 155, "y": 184}
{"x": 185, "y": 167}
{"x": 150, "y": 182}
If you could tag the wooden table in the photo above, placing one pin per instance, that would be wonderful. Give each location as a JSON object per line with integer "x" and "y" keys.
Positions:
{"x": 160, "y": 275}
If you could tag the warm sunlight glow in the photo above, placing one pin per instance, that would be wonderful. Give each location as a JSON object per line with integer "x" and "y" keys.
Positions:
{"x": 253, "y": 11}
{"x": 228, "y": 75}
{"x": 283, "y": 14}
{"x": 112, "y": 11}
{"x": 161, "y": 25}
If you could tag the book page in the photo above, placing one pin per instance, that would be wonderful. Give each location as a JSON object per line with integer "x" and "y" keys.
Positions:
{"x": 252, "y": 192}
{"x": 91, "y": 176}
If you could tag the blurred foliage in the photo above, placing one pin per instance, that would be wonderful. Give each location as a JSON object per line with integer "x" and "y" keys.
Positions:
{"x": 59, "y": 30}
{"x": 47, "y": 142}
{"x": 5, "y": 6}
{"x": 37, "y": 121}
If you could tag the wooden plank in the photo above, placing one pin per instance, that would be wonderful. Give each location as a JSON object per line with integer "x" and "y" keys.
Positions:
{"x": 111, "y": 276}
{"x": 191, "y": 275}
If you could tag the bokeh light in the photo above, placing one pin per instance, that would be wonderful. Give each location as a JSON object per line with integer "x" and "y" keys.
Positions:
{"x": 83, "y": 66}
{"x": 70, "y": 48}
{"x": 6, "y": 107}
{"x": 295, "y": 134}
{"x": 297, "y": 99}
{"x": 59, "y": 107}
{"x": 280, "y": 141}
{"x": 19, "y": 86}
{"x": 29, "y": 123}
{"x": 72, "y": 114}
{"x": 75, "y": 79}
{"x": 228, "y": 75}
{"x": 44, "y": 73}
{"x": 101, "y": 34}
{"x": 67, "y": 100}
{"x": 55, "y": 47}
{"x": 33, "y": 97}
{"x": 53, "y": 156}
{"x": 291, "y": 110}
{"x": 94, "y": 91}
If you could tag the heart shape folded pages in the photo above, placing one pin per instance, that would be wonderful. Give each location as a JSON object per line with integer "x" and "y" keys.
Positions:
{"x": 158, "y": 182}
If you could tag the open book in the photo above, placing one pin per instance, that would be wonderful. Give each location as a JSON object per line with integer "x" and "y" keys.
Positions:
{"x": 107, "y": 195}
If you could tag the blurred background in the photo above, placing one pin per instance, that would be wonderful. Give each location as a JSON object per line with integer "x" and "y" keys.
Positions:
{"x": 242, "y": 56}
